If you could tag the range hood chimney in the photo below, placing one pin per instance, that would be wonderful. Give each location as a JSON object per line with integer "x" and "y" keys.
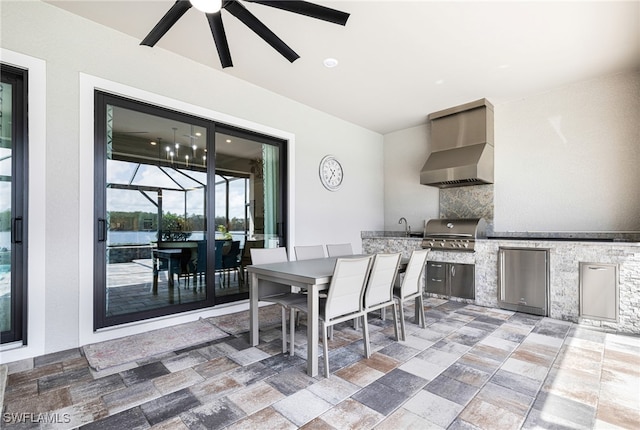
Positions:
{"x": 461, "y": 146}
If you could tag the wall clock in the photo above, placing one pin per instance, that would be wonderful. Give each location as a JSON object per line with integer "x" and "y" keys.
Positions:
{"x": 331, "y": 173}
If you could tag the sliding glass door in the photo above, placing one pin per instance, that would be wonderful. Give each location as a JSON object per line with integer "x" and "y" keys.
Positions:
{"x": 249, "y": 204}
{"x": 174, "y": 225}
{"x": 151, "y": 212}
{"x": 13, "y": 204}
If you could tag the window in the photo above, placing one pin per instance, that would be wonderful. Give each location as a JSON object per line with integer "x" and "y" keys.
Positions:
{"x": 172, "y": 223}
{"x": 13, "y": 204}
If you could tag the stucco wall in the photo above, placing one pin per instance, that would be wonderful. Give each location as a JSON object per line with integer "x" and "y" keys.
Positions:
{"x": 76, "y": 50}
{"x": 565, "y": 160}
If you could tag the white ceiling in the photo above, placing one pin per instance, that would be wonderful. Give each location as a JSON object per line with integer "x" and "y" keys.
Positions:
{"x": 401, "y": 60}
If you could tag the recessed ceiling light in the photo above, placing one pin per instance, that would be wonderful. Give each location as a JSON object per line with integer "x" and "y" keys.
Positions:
{"x": 440, "y": 82}
{"x": 228, "y": 140}
{"x": 330, "y": 62}
{"x": 153, "y": 143}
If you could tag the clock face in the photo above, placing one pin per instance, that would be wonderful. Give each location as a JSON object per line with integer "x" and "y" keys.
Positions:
{"x": 331, "y": 173}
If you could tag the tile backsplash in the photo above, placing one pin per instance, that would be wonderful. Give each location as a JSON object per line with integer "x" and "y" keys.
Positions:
{"x": 475, "y": 201}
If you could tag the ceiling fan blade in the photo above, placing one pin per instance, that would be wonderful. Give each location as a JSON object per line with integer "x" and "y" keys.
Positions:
{"x": 220, "y": 38}
{"x": 166, "y": 22}
{"x": 240, "y": 12}
{"x": 309, "y": 9}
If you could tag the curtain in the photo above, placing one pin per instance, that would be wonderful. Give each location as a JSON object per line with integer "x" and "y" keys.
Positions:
{"x": 270, "y": 183}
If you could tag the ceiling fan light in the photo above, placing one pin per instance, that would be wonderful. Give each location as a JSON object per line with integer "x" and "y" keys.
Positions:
{"x": 207, "y": 6}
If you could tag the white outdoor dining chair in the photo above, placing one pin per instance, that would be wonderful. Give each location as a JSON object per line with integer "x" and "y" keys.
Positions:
{"x": 284, "y": 299}
{"x": 410, "y": 288}
{"x": 309, "y": 252}
{"x": 344, "y": 301}
{"x": 339, "y": 249}
{"x": 379, "y": 291}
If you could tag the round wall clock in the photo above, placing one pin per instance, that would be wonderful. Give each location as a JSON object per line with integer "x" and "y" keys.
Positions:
{"x": 331, "y": 173}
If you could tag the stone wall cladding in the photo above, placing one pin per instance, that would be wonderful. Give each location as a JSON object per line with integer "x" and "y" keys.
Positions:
{"x": 564, "y": 278}
{"x": 126, "y": 254}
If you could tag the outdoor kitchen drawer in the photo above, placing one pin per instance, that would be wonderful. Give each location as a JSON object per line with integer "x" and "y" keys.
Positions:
{"x": 599, "y": 293}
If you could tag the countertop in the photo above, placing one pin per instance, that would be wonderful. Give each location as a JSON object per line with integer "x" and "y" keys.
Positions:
{"x": 612, "y": 237}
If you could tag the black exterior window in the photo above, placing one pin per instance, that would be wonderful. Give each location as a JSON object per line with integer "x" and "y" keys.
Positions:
{"x": 13, "y": 204}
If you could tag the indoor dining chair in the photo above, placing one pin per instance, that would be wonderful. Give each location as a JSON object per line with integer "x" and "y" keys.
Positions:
{"x": 410, "y": 288}
{"x": 284, "y": 299}
{"x": 339, "y": 249}
{"x": 379, "y": 291}
{"x": 344, "y": 301}
{"x": 309, "y": 252}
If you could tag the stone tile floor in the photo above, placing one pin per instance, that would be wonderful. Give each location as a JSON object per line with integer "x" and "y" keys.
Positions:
{"x": 473, "y": 367}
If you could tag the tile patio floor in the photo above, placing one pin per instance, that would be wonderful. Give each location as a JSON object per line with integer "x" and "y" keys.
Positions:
{"x": 471, "y": 368}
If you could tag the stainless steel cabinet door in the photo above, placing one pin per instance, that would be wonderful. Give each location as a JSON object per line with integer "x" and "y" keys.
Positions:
{"x": 599, "y": 291}
{"x": 523, "y": 279}
{"x": 462, "y": 280}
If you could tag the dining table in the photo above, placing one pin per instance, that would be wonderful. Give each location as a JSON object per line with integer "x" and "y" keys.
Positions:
{"x": 172, "y": 257}
{"x": 312, "y": 276}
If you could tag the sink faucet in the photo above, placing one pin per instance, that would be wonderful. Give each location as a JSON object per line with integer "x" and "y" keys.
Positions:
{"x": 407, "y": 229}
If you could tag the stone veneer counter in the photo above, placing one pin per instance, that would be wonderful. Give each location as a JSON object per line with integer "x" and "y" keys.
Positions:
{"x": 565, "y": 257}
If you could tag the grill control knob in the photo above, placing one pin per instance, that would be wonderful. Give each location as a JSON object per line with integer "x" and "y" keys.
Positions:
{"x": 466, "y": 245}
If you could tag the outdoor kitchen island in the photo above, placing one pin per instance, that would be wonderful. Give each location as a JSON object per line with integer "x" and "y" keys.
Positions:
{"x": 565, "y": 258}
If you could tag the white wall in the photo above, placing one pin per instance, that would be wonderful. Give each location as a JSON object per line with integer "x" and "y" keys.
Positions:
{"x": 72, "y": 47}
{"x": 405, "y": 152}
{"x": 568, "y": 159}
{"x": 565, "y": 160}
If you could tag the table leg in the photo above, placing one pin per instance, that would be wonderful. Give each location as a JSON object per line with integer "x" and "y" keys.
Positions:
{"x": 313, "y": 321}
{"x": 155, "y": 264}
{"x": 170, "y": 273}
{"x": 254, "y": 332}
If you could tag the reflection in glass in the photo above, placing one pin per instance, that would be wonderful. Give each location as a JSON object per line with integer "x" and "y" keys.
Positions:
{"x": 156, "y": 219}
{"x": 6, "y": 316}
{"x": 247, "y": 208}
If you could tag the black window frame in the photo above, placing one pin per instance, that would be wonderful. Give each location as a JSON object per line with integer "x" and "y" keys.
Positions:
{"x": 282, "y": 203}
{"x": 101, "y": 100}
{"x": 19, "y": 78}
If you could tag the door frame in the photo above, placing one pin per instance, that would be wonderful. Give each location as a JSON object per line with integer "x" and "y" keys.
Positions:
{"x": 89, "y": 83}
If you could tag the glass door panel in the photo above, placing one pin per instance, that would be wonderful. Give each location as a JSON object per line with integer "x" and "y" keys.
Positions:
{"x": 13, "y": 202}
{"x": 6, "y": 213}
{"x": 155, "y": 216}
{"x": 248, "y": 206}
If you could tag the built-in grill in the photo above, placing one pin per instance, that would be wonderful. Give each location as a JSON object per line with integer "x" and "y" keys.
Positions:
{"x": 454, "y": 234}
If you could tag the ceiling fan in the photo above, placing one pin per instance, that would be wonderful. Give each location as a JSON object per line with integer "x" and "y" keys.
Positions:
{"x": 213, "y": 10}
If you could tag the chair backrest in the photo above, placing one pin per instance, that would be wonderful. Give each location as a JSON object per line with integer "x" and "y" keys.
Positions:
{"x": 268, "y": 255}
{"x": 381, "y": 279}
{"x": 218, "y": 255}
{"x": 339, "y": 249}
{"x": 309, "y": 252}
{"x": 246, "y": 251}
{"x": 415, "y": 267}
{"x": 201, "y": 258}
{"x": 232, "y": 258}
{"x": 347, "y": 287}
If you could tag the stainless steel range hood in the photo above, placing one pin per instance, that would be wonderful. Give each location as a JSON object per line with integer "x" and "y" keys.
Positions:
{"x": 462, "y": 146}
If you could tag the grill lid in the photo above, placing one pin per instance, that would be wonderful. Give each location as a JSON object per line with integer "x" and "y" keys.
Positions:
{"x": 461, "y": 228}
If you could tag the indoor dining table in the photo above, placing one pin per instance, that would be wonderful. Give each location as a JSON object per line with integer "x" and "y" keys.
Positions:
{"x": 312, "y": 275}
